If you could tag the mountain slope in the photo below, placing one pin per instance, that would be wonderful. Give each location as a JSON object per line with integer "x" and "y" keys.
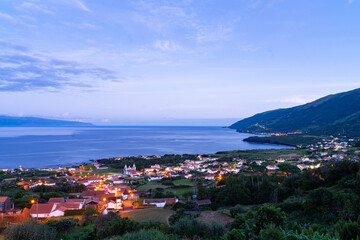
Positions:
{"x": 7, "y": 121}
{"x": 333, "y": 114}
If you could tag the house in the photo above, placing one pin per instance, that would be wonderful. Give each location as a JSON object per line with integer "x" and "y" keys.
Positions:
{"x": 302, "y": 166}
{"x": 62, "y": 207}
{"x": 42, "y": 210}
{"x": 272, "y": 167}
{"x": 154, "y": 178}
{"x": 114, "y": 203}
{"x": 134, "y": 173}
{"x": 5, "y": 203}
{"x": 210, "y": 177}
{"x": 202, "y": 203}
{"x": 56, "y": 200}
{"x": 77, "y": 200}
{"x": 160, "y": 203}
{"x": 212, "y": 170}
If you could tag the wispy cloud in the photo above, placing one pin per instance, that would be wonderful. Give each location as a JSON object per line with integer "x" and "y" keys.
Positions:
{"x": 30, "y": 6}
{"x": 82, "y": 6}
{"x": 213, "y": 33}
{"x": 26, "y": 71}
{"x": 14, "y": 20}
{"x": 293, "y": 100}
{"x": 351, "y": 1}
{"x": 166, "y": 45}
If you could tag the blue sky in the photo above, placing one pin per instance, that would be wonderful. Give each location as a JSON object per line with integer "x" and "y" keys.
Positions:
{"x": 173, "y": 62}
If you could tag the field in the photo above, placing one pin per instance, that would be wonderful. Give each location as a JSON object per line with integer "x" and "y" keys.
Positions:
{"x": 179, "y": 188}
{"x": 148, "y": 214}
{"x": 217, "y": 216}
{"x": 264, "y": 154}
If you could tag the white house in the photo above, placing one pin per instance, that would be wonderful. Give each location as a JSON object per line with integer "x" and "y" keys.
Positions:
{"x": 302, "y": 166}
{"x": 42, "y": 210}
{"x": 160, "y": 203}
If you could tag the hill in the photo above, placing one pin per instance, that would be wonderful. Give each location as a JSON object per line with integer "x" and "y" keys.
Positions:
{"x": 333, "y": 114}
{"x": 7, "y": 121}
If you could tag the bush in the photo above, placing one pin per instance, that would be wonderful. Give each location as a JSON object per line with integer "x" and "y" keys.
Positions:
{"x": 236, "y": 210}
{"x": 64, "y": 225}
{"x": 146, "y": 234}
{"x": 30, "y": 230}
{"x": 234, "y": 234}
{"x": 269, "y": 215}
{"x": 192, "y": 228}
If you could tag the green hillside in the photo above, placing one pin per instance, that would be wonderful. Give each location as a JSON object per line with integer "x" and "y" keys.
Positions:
{"x": 333, "y": 114}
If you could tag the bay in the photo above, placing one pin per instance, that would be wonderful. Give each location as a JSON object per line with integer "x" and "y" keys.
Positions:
{"x": 34, "y": 147}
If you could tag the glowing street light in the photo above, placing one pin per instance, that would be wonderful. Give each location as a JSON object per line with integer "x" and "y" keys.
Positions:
{"x": 33, "y": 201}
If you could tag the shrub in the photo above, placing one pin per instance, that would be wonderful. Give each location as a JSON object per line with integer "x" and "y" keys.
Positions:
{"x": 146, "y": 234}
{"x": 30, "y": 230}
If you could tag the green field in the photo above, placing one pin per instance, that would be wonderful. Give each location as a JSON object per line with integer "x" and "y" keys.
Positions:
{"x": 187, "y": 182}
{"x": 150, "y": 185}
{"x": 149, "y": 214}
{"x": 263, "y": 154}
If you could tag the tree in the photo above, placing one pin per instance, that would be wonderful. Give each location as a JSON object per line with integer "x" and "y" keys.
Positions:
{"x": 318, "y": 200}
{"x": 268, "y": 214}
{"x": 234, "y": 234}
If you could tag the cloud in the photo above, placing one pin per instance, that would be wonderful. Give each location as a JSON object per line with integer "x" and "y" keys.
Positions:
{"x": 166, "y": 45}
{"x": 351, "y": 1}
{"x": 213, "y": 33}
{"x": 249, "y": 48}
{"x": 89, "y": 25}
{"x": 29, "y": 6}
{"x": 14, "y": 20}
{"x": 293, "y": 100}
{"x": 26, "y": 71}
{"x": 7, "y": 17}
{"x": 82, "y": 6}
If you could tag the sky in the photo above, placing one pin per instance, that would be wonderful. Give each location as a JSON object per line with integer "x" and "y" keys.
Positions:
{"x": 180, "y": 62}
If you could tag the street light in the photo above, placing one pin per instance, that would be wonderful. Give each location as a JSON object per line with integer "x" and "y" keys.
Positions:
{"x": 37, "y": 208}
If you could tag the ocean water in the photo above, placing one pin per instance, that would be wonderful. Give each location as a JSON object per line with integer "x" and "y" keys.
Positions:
{"x": 62, "y": 146}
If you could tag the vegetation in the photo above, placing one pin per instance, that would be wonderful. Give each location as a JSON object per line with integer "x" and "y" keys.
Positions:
{"x": 149, "y": 214}
{"x": 294, "y": 140}
{"x": 318, "y": 204}
{"x": 330, "y": 115}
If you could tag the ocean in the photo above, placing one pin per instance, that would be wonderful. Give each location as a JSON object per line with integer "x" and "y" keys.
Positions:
{"x": 35, "y": 147}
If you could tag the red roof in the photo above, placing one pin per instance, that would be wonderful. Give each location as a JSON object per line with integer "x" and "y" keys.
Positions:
{"x": 81, "y": 200}
{"x": 68, "y": 206}
{"x": 43, "y": 208}
{"x": 3, "y": 199}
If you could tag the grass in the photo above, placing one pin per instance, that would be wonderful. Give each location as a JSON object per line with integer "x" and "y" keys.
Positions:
{"x": 149, "y": 214}
{"x": 186, "y": 182}
{"x": 263, "y": 154}
{"x": 216, "y": 216}
{"x": 150, "y": 185}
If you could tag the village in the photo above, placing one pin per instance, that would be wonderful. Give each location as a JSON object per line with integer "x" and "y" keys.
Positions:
{"x": 106, "y": 189}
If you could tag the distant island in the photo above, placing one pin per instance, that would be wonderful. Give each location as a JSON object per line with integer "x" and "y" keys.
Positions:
{"x": 8, "y": 121}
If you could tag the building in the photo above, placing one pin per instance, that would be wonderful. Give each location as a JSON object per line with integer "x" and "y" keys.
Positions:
{"x": 42, "y": 210}
{"x": 5, "y": 203}
{"x": 126, "y": 169}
